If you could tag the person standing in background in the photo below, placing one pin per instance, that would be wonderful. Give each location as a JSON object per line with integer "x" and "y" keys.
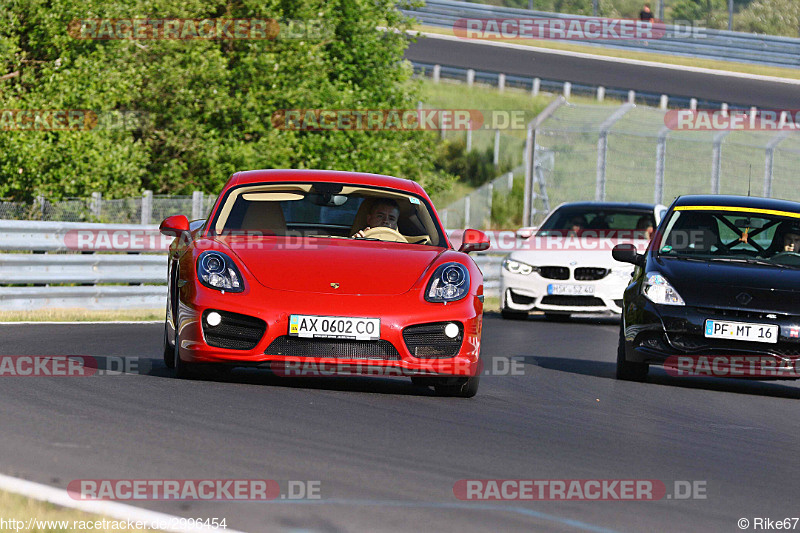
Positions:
{"x": 645, "y": 15}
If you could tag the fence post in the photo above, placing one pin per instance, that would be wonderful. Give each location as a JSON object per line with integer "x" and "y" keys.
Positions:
{"x": 496, "y": 153}
{"x": 664, "y": 102}
{"x": 661, "y": 153}
{"x": 769, "y": 159}
{"x": 42, "y": 209}
{"x": 693, "y": 104}
{"x": 197, "y": 205}
{"x": 97, "y": 201}
{"x": 510, "y": 181}
{"x": 491, "y": 198}
{"x": 466, "y": 211}
{"x": 716, "y": 160}
{"x": 631, "y": 96}
{"x": 602, "y": 149}
{"x": 437, "y": 73}
{"x": 469, "y": 140}
{"x": 529, "y": 158}
{"x": 147, "y": 207}
{"x": 535, "y": 87}
{"x": 601, "y": 93}
{"x": 501, "y": 82}
{"x": 470, "y": 77}
{"x": 567, "y": 89}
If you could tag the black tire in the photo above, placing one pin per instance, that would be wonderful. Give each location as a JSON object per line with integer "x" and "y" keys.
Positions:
{"x": 508, "y": 314}
{"x": 458, "y": 387}
{"x": 169, "y": 350}
{"x": 557, "y": 317}
{"x": 628, "y": 370}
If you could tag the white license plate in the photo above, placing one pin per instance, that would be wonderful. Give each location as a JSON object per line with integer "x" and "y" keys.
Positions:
{"x": 569, "y": 289}
{"x": 335, "y": 327}
{"x": 741, "y": 331}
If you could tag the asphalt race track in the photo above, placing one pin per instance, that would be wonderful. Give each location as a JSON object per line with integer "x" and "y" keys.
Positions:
{"x": 733, "y": 90}
{"x": 387, "y": 454}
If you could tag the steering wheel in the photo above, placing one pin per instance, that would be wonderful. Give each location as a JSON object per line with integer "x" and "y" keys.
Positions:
{"x": 384, "y": 234}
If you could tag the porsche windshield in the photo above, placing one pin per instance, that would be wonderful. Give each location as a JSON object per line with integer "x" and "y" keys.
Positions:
{"x": 328, "y": 210}
{"x": 724, "y": 234}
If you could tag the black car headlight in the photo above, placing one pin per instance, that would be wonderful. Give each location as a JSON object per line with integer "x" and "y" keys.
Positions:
{"x": 450, "y": 282}
{"x": 217, "y": 271}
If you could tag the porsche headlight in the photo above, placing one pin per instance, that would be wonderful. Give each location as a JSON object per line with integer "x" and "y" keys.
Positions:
{"x": 658, "y": 290}
{"x": 450, "y": 282}
{"x": 516, "y": 267}
{"x": 217, "y": 271}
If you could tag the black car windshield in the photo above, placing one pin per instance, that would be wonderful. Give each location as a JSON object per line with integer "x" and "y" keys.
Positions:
{"x": 597, "y": 220}
{"x": 326, "y": 210}
{"x": 732, "y": 235}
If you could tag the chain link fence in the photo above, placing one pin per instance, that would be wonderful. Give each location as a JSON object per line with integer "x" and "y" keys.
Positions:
{"x": 627, "y": 153}
{"x": 147, "y": 209}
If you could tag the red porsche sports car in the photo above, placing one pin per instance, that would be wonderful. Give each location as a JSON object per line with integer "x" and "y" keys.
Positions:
{"x": 340, "y": 272}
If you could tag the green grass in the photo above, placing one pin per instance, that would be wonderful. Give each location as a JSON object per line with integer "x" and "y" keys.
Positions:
{"x": 81, "y": 315}
{"x": 21, "y": 508}
{"x": 745, "y": 68}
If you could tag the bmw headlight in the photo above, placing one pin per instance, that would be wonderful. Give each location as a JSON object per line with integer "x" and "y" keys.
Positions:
{"x": 450, "y": 282}
{"x": 658, "y": 290}
{"x": 516, "y": 267}
{"x": 217, "y": 271}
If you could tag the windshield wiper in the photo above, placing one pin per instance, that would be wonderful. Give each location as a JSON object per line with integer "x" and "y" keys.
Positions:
{"x": 749, "y": 261}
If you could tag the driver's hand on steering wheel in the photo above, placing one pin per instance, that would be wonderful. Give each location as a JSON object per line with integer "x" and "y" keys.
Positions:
{"x": 360, "y": 234}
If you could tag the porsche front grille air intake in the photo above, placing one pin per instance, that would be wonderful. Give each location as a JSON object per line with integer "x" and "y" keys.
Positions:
{"x": 429, "y": 341}
{"x": 334, "y": 348}
{"x": 234, "y": 331}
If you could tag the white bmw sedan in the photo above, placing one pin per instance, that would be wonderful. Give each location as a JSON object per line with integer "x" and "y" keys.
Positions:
{"x": 566, "y": 267}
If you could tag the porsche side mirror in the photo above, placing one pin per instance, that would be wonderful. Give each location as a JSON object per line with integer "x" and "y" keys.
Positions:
{"x": 474, "y": 241}
{"x": 626, "y": 253}
{"x": 174, "y": 226}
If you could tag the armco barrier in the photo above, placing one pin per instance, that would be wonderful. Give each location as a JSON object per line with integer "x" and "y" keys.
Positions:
{"x": 679, "y": 40}
{"x": 106, "y": 281}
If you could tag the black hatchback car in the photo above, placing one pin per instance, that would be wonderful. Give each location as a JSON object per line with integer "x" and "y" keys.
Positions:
{"x": 719, "y": 283}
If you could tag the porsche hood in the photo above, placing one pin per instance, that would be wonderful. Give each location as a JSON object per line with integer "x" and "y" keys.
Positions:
{"x": 333, "y": 266}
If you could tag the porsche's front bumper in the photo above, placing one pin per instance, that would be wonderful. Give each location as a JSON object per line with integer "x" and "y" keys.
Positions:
{"x": 274, "y": 307}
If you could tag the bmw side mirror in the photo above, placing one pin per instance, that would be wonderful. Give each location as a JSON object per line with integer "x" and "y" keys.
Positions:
{"x": 174, "y": 226}
{"x": 626, "y": 253}
{"x": 474, "y": 241}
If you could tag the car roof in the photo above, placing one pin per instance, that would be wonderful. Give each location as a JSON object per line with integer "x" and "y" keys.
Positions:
{"x": 334, "y": 176}
{"x": 611, "y": 205}
{"x": 725, "y": 200}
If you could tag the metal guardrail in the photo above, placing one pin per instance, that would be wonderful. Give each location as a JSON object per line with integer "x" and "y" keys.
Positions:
{"x": 565, "y": 87}
{"x": 101, "y": 281}
{"x": 678, "y": 40}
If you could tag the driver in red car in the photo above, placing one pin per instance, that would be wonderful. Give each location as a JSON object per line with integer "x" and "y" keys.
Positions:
{"x": 384, "y": 214}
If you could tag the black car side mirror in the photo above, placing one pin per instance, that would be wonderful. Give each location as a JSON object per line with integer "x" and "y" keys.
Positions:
{"x": 626, "y": 253}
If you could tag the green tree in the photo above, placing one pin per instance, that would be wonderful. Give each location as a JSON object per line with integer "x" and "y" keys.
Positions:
{"x": 209, "y": 102}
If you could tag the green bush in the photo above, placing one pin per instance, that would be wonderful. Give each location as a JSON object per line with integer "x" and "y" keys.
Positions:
{"x": 474, "y": 168}
{"x": 209, "y": 102}
{"x": 507, "y": 206}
